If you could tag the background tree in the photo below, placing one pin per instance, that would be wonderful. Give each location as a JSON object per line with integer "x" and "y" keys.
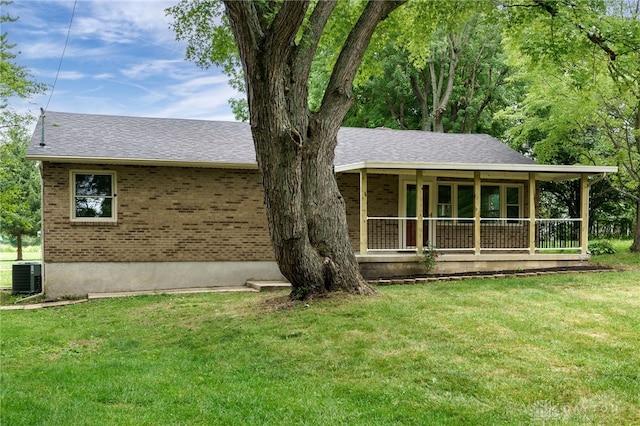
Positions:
{"x": 277, "y": 42}
{"x": 15, "y": 80}
{"x": 581, "y": 61}
{"x": 19, "y": 179}
{"x": 458, "y": 88}
{"x": 19, "y": 188}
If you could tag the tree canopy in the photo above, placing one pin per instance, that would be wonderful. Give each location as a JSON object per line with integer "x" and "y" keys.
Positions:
{"x": 580, "y": 62}
{"x": 19, "y": 188}
{"x": 19, "y": 178}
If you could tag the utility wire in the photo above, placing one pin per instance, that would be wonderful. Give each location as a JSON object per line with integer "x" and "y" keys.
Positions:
{"x": 66, "y": 42}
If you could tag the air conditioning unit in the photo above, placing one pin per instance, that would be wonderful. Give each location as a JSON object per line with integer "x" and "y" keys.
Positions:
{"x": 27, "y": 278}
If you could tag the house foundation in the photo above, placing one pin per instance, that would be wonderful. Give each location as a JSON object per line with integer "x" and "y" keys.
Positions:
{"x": 71, "y": 279}
{"x": 402, "y": 265}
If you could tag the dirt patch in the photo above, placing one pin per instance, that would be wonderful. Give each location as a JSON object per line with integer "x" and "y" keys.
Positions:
{"x": 280, "y": 303}
{"x": 284, "y": 303}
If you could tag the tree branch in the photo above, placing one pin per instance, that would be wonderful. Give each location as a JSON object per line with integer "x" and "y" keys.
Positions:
{"x": 338, "y": 97}
{"x": 282, "y": 31}
{"x": 247, "y": 31}
{"x": 311, "y": 37}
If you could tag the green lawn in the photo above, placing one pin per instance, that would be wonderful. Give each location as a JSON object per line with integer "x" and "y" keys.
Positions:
{"x": 623, "y": 258}
{"x": 552, "y": 350}
{"x": 548, "y": 350}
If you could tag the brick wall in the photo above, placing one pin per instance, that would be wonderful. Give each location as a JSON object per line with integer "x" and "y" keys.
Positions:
{"x": 349, "y": 185}
{"x": 164, "y": 214}
{"x": 174, "y": 214}
{"x": 382, "y": 200}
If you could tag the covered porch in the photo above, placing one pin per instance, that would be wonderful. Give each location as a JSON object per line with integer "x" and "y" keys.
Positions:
{"x": 476, "y": 217}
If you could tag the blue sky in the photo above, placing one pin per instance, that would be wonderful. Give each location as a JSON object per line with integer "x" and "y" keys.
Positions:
{"x": 122, "y": 59}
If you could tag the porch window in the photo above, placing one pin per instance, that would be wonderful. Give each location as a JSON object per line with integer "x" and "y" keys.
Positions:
{"x": 465, "y": 201}
{"x": 490, "y": 201}
{"x": 93, "y": 196}
{"x": 496, "y": 201}
{"x": 513, "y": 202}
{"x": 444, "y": 201}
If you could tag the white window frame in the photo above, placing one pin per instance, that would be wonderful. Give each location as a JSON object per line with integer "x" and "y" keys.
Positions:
{"x": 73, "y": 196}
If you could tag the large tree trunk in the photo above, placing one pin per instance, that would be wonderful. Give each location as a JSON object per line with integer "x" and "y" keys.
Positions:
{"x": 294, "y": 147}
{"x": 306, "y": 213}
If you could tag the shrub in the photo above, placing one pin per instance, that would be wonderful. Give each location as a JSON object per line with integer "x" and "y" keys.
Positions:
{"x": 429, "y": 257}
{"x": 601, "y": 247}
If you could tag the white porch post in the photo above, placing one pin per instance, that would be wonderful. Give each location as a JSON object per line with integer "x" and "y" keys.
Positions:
{"x": 532, "y": 213}
{"x": 476, "y": 212}
{"x": 584, "y": 213}
{"x": 419, "y": 212}
{"x": 364, "y": 243}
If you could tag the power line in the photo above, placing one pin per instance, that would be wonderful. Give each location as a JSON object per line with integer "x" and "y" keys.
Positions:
{"x": 66, "y": 42}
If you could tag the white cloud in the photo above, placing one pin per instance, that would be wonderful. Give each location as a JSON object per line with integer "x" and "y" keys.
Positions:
{"x": 165, "y": 67}
{"x": 194, "y": 85}
{"x": 121, "y": 59}
{"x": 124, "y": 22}
{"x": 205, "y": 98}
{"x": 71, "y": 75}
{"x": 49, "y": 75}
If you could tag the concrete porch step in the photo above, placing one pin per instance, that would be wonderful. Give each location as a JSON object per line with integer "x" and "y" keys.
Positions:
{"x": 268, "y": 285}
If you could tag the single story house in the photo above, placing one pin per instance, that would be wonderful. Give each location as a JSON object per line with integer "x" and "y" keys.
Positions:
{"x": 132, "y": 203}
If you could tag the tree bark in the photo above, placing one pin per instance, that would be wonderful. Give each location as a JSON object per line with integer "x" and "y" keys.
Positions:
{"x": 417, "y": 83}
{"x": 442, "y": 94}
{"x": 295, "y": 147}
{"x": 635, "y": 246}
{"x": 19, "y": 246}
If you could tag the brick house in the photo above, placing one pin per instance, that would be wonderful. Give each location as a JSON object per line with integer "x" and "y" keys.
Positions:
{"x": 134, "y": 203}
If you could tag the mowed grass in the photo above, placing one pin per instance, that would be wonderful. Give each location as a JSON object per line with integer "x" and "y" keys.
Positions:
{"x": 550, "y": 350}
{"x": 623, "y": 258}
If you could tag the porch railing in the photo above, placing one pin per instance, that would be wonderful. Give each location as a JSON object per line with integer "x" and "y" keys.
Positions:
{"x": 458, "y": 234}
{"x": 504, "y": 234}
{"x": 389, "y": 233}
{"x": 558, "y": 234}
{"x": 451, "y": 234}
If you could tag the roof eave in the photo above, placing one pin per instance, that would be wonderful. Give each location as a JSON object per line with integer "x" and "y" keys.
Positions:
{"x": 141, "y": 162}
{"x": 483, "y": 167}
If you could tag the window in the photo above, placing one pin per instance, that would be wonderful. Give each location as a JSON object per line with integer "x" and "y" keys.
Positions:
{"x": 444, "y": 201}
{"x": 496, "y": 201}
{"x": 490, "y": 201}
{"x": 465, "y": 200}
{"x": 513, "y": 202}
{"x": 93, "y": 196}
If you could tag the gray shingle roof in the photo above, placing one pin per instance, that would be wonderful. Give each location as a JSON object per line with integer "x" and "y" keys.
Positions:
{"x": 96, "y": 138}
{"x": 414, "y": 146}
